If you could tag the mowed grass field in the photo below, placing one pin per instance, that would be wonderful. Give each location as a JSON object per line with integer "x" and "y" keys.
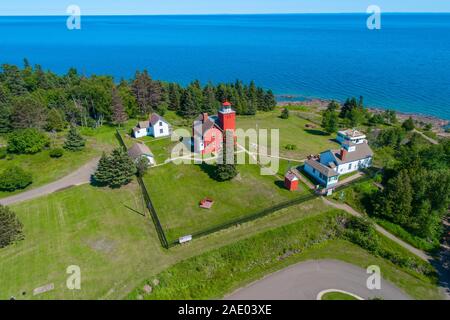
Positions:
{"x": 176, "y": 191}
{"x": 292, "y": 131}
{"x": 104, "y": 232}
{"x": 45, "y": 169}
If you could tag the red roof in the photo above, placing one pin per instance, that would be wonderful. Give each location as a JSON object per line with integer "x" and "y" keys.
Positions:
{"x": 226, "y": 104}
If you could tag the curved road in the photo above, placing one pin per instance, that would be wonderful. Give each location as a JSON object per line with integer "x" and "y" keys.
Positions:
{"x": 305, "y": 280}
{"x": 76, "y": 178}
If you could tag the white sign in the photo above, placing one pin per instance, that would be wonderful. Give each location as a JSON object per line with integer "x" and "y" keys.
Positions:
{"x": 185, "y": 239}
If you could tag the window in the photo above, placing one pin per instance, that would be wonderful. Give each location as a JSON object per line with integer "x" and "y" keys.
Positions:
{"x": 160, "y": 123}
{"x": 350, "y": 166}
{"x": 314, "y": 170}
{"x": 161, "y": 130}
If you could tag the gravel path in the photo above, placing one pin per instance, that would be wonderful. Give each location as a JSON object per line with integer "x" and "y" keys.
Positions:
{"x": 78, "y": 177}
{"x": 381, "y": 230}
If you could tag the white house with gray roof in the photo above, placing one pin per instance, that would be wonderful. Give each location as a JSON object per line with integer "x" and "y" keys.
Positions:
{"x": 334, "y": 163}
{"x": 156, "y": 127}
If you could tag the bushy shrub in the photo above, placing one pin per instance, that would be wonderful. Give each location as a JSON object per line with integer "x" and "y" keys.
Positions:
{"x": 14, "y": 178}
{"x": 290, "y": 147}
{"x": 3, "y": 153}
{"x": 56, "y": 153}
{"x": 27, "y": 141}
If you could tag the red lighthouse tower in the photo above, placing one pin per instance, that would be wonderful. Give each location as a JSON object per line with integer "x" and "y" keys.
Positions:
{"x": 227, "y": 117}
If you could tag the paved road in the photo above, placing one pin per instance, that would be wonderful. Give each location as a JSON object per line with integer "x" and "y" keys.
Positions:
{"x": 78, "y": 177}
{"x": 304, "y": 281}
{"x": 381, "y": 230}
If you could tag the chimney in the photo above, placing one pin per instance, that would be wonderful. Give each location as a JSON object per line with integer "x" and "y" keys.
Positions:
{"x": 205, "y": 117}
{"x": 343, "y": 154}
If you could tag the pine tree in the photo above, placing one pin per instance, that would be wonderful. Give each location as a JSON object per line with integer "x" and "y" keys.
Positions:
{"x": 115, "y": 170}
{"x": 285, "y": 113}
{"x": 188, "y": 108}
{"x": 5, "y": 123}
{"x": 10, "y": 227}
{"x": 270, "y": 101}
{"x": 174, "y": 97}
{"x": 330, "y": 121}
{"x": 119, "y": 115}
{"x": 74, "y": 140}
{"x": 103, "y": 174}
{"x": 226, "y": 171}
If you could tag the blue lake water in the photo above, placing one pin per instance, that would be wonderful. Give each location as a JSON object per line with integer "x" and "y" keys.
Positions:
{"x": 405, "y": 65}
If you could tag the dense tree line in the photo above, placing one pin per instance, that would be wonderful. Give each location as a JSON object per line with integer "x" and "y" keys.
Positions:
{"x": 417, "y": 188}
{"x": 353, "y": 113}
{"x": 33, "y": 98}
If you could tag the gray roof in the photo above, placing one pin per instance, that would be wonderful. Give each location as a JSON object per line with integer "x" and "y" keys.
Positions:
{"x": 363, "y": 151}
{"x": 139, "y": 149}
{"x": 155, "y": 118}
{"x": 352, "y": 133}
{"x": 323, "y": 169}
{"x": 144, "y": 124}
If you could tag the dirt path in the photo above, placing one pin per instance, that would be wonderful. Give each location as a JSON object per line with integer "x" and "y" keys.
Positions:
{"x": 78, "y": 177}
{"x": 381, "y": 230}
{"x": 432, "y": 141}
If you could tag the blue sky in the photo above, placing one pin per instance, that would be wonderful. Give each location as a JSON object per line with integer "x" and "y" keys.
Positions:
{"x": 92, "y": 7}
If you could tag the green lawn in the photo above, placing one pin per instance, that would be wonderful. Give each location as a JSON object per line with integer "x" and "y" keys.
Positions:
{"x": 337, "y": 296}
{"x": 117, "y": 249}
{"x": 45, "y": 169}
{"x": 176, "y": 191}
{"x": 103, "y": 232}
{"x": 216, "y": 273}
{"x": 292, "y": 131}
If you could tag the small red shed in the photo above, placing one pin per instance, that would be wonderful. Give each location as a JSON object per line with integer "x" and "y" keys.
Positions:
{"x": 291, "y": 181}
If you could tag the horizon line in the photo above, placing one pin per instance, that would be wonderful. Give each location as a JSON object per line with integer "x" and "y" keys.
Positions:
{"x": 217, "y": 14}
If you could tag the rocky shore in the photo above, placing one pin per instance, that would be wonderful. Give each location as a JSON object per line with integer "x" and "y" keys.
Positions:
{"x": 438, "y": 124}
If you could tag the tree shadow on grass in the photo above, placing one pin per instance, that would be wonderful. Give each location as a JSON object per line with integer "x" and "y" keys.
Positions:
{"x": 134, "y": 210}
{"x": 316, "y": 132}
{"x": 280, "y": 184}
{"x": 209, "y": 169}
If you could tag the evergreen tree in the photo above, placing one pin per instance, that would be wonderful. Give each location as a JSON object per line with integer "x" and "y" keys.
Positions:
{"x": 28, "y": 112}
{"x": 225, "y": 171}
{"x": 285, "y": 113}
{"x": 188, "y": 108}
{"x": 13, "y": 80}
{"x": 174, "y": 97}
{"x": 128, "y": 99}
{"x": 5, "y": 123}
{"x": 74, "y": 140}
{"x": 269, "y": 101}
{"x": 252, "y": 99}
{"x": 210, "y": 104}
{"x": 330, "y": 120}
{"x": 408, "y": 124}
{"x": 119, "y": 115}
{"x": 10, "y": 227}
{"x": 104, "y": 172}
{"x": 115, "y": 170}
{"x": 146, "y": 92}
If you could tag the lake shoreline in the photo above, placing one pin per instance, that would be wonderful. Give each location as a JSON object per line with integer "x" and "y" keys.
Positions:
{"x": 439, "y": 124}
